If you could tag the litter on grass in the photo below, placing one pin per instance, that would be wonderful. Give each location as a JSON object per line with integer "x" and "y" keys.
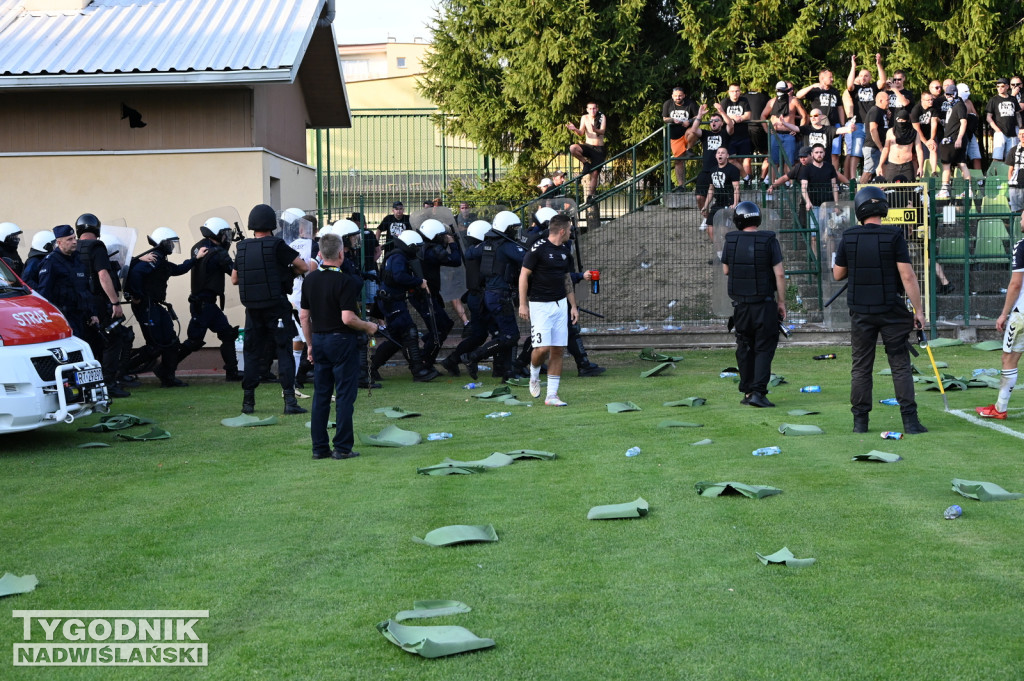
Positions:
{"x": 434, "y": 608}
{"x": 717, "y": 489}
{"x": 881, "y": 457}
{"x": 432, "y": 642}
{"x": 11, "y": 585}
{"x": 784, "y": 557}
{"x": 983, "y": 491}
{"x": 633, "y": 509}
{"x": 458, "y": 534}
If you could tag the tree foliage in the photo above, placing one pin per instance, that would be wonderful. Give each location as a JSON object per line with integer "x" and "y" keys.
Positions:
{"x": 514, "y": 73}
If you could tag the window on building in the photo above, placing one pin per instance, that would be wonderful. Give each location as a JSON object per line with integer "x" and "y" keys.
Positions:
{"x": 401, "y": 62}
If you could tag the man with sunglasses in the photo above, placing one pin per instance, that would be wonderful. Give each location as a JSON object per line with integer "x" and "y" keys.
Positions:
{"x": 1003, "y": 117}
{"x": 898, "y": 97}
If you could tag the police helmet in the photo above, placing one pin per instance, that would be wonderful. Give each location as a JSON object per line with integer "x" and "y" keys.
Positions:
{"x": 432, "y": 229}
{"x": 747, "y": 214}
{"x": 506, "y": 222}
{"x": 42, "y": 241}
{"x": 165, "y": 240}
{"x": 478, "y": 229}
{"x": 292, "y": 214}
{"x": 215, "y": 228}
{"x": 10, "y": 234}
{"x": 543, "y": 215}
{"x": 870, "y": 202}
{"x": 344, "y": 228}
{"x": 409, "y": 242}
{"x": 87, "y": 222}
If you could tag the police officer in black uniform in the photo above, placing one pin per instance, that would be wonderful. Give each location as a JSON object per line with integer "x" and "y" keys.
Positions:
{"x": 752, "y": 260}
{"x": 476, "y": 330}
{"x": 107, "y": 338}
{"x": 401, "y": 275}
{"x": 62, "y": 281}
{"x": 10, "y": 238}
{"x": 146, "y": 285}
{"x": 206, "y": 302}
{"x": 500, "y": 261}
{"x": 877, "y": 261}
{"x": 42, "y": 246}
{"x": 352, "y": 239}
{"x": 265, "y": 268}
{"x": 438, "y": 250}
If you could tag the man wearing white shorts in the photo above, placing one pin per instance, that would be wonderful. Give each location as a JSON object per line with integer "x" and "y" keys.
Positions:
{"x": 547, "y": 300}
{"x": 1011, "y": 323}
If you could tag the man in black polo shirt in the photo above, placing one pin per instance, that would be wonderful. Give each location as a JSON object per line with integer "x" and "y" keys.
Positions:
{"x": 547, "y": 300}
{"x": 332, "y": 327}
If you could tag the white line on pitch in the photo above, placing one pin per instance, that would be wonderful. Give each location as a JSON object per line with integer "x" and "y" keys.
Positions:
{"x": 987, "y": 424}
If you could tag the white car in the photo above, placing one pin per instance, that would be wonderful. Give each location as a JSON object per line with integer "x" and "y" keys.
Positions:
{"x": 47, "y": 375}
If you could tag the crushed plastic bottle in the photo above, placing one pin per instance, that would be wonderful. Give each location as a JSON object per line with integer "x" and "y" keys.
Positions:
{"x": 953, "y": 512}
{"x": 892, "y": 435}
{"x": 811, "y": 389}
{"x": 766, "y": 451}
{"x": 727, "y": 374}
{"x": 671, "y": 304}
{"x": 482, "y": 367}
{"x": 985, "y": 372}
{"x": 472, "y": 386}
{"x": 830, "y": 355}
{"x": 498, "y": 414}
{"x": 439, "y": 436}
{"x": 632, "y": 451}
{"x": 891, "y": 401}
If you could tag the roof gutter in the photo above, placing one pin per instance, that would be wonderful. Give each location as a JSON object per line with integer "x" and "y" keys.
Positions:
{"x": 105, "y": 80}
{"x": 328, "y": 19}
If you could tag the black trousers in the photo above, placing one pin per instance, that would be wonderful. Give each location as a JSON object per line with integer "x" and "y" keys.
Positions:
{"x": 273, "y": 323}
{"x": 893, "y": 327}
{"x": 757, "y": 336}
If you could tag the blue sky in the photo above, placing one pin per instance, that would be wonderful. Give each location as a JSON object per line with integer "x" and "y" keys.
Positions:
{"x": 367, "y": 22}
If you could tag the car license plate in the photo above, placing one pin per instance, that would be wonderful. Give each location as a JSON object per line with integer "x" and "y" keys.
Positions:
{"x": 89, "y": 376}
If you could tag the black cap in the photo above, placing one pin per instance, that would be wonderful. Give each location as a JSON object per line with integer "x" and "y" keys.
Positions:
{"x": 262, "y": 218}
{"x": 1002, "y": 81}
{"x": 804, "y": 151}
{"x": 61, "y": 231}
{"x": 398, "y": 204}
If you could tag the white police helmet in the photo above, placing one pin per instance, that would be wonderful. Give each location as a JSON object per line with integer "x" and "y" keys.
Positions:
{"x": 42, "y": 241}
{"x": 214, "y": 228}
{"x": 478, "y": 229}
{"x": 165, "y": 239}
{"x": 506, "y": 222}
{"x": 293, "y": 214}
{"x": 7, "y": 230}
{"x": 543, "y": 215}
{"x": 344, "y": 228}
{"x": 431, "y": 229}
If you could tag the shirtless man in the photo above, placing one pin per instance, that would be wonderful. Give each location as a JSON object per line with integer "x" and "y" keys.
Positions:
{"x": 592, "y": 128}
{"x": 902, "y": 144}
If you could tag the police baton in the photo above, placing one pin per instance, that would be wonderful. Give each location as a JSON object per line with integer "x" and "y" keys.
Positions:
{"x": 838, "y": 293}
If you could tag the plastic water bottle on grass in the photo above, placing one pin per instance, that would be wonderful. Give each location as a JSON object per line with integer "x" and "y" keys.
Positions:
{"x": 439, "y": 436}
{"x": 632, "y": 451}
{"x": 766, "y": 451}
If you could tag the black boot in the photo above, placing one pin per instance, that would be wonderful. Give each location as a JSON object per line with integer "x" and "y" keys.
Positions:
{"x": 469, "y": 360}
{"x": 232, "y": 376}
{"x": 248, "y": 401}
{"x": 860, "y": 424}
{"x": 911, "y": 426}
{"x": 421, "y": 371}
{"x": 290, "y": 405}
{"x": 451, "y": 365}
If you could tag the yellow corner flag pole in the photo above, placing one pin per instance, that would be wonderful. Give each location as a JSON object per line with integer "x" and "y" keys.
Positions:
{"x": 924, "y": 343}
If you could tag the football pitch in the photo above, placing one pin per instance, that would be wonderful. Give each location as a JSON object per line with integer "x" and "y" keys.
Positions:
{"x": 297, "y": 561}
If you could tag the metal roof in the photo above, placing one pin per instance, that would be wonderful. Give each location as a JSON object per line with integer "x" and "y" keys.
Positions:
{"x": 147, "y": 42}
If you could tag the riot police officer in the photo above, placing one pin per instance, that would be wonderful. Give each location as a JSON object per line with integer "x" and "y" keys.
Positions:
{"x": 752, "y": 260}
{"x": 146, "y": 285}
{"x": 206, "y": 302}
{"x": 438, "y": 250}
{"x": 265, "y": 267}
{"x": 42, "y": 246}
{"x": 10, "y": 238}
{"x": 350, "y": 234}
{"x": 106, "y": 339}
{"x": 62, "y": 281}
{"x": 500, "y": 260}
{"x": 398, "y": 279}
{"x": 479, "y": 320}
{"x": 877, "y": 261}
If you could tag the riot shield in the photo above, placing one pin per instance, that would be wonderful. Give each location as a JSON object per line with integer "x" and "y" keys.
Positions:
{"x": 125, "y": 235}
{"x": 836, "y": 219}
{"x": 296, "y": 231}
{"x": 721, "y": 304}
{"x": 232, "y": 303}
{"x": 453, "y": 279}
